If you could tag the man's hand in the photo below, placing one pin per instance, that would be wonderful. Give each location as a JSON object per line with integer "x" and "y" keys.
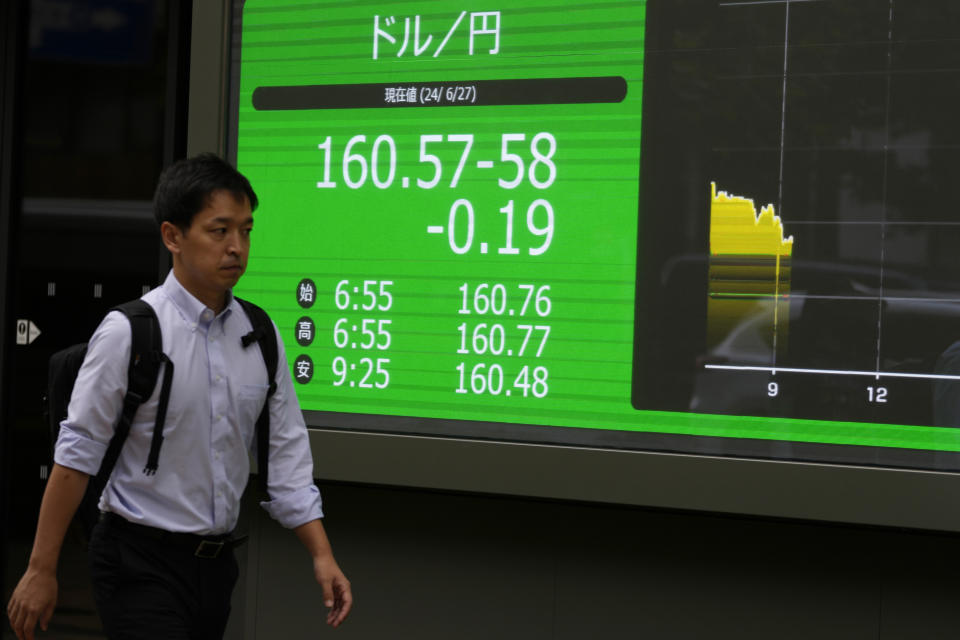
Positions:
{"x": 36, "y": 594}
{"x": 337, "y": 597}
{"x": 33, "y": 601}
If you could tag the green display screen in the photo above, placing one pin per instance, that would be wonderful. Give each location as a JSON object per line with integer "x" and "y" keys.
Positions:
{"x": 548, "y": 221}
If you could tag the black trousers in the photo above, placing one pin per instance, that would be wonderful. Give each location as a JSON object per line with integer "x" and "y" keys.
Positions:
{"x": 148, "y": 587}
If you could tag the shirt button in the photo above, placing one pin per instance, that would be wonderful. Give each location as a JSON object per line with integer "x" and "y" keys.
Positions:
{"x": 219, "y": 378}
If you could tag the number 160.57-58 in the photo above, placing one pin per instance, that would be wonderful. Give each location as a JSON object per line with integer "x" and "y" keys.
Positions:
{"x": 376, "y": 162}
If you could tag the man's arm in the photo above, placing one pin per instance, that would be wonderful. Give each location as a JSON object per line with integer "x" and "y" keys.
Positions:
{"x": 337, "y": 597}
{"x": 36, "y": 594}
{"x": 294, "y": 497}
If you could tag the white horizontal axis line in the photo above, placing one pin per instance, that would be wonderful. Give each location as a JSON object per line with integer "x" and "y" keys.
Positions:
{"x": 875, "y": 374}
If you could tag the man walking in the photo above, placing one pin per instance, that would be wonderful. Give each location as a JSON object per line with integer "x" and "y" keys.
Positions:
{"x": 161, "y": 557}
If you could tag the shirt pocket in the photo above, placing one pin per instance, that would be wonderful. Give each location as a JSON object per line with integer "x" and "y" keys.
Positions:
{"x": 250, "y": 399}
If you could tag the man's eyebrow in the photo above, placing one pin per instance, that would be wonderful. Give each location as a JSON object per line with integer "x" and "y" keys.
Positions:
{"x": 228, "y": 219}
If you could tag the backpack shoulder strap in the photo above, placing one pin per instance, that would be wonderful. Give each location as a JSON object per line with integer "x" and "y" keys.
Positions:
{"x": 145, "y": 342}
{"x": 146, "y": 358}
{"x": 263, "y": 334}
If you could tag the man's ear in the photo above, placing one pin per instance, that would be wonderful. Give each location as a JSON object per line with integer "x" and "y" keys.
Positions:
{"x": 172, "y": 236}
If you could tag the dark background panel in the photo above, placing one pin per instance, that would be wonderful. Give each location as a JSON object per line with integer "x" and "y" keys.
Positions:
{"x": 832, "y": 184}
{"x": 13, "y": 18}
{"x": 916, "y": 104}
{"x": 925, "y": 19}
{"x": 848, "y": 23}
{"x": 94, "y": 90}
{"x": 99, "y": 117}
{"x": 835, "y": 260}
{"x": 853, "y": 148}
{"x": 437, "y": 565}
{"x": 741, "y": 25}
{"x": 920, "y": 179}
{"x": 831, "y": 109}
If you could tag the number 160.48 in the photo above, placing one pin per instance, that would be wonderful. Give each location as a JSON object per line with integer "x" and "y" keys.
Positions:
{"x": 489, "y": 379}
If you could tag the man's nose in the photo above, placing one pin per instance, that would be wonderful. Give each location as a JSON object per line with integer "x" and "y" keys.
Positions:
{"x": 234, "y": 243}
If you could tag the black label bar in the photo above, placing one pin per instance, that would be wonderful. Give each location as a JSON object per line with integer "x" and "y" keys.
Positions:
{"x": 470, "y": 93}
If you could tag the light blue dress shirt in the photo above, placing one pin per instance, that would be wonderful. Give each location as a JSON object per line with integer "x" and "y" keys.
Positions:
{"x": 217, "y": 392}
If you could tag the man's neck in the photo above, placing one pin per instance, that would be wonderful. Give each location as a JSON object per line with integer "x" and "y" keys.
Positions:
{"x": 215, "y": 300}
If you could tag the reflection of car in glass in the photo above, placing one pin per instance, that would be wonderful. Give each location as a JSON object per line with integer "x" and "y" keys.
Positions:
{"x": 831, "y": 331}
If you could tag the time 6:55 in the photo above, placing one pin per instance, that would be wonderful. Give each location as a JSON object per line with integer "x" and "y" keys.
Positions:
{"x": 373, "y": 294}
{"x": 369, "y": 329}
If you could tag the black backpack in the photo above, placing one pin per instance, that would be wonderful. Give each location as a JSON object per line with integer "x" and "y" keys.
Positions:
{"x": 146, "y": 360}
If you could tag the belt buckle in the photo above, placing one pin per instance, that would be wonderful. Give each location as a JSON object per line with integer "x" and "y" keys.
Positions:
{"x": 208, "y": 549}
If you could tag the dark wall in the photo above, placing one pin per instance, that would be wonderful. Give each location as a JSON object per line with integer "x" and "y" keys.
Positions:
{"x": 12, "y": 47}
{"x": 101, "y": 112}
{"x": 434, "y": 565}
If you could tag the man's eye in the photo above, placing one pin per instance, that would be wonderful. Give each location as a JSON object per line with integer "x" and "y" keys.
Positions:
{"x": 220, "y": 231}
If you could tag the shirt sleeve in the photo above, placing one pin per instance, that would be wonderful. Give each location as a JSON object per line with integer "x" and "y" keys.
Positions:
{"x": 294, "y": 498}
{"x": 97, "y": 397}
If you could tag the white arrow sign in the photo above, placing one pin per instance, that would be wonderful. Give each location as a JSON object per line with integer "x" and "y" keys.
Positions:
{"x": 27, "y": 332}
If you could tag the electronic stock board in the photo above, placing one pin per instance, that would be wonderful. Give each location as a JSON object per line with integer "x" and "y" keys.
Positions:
{"x": 707, "y": 227}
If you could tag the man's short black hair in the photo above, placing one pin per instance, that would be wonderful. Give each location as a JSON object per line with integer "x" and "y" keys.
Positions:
{"x": 186, "y": 186}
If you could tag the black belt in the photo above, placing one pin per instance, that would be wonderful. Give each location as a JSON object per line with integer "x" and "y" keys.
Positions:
{"x": 202, "y": 546}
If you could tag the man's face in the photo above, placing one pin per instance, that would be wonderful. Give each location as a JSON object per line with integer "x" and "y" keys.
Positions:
{"x": 211, "y": 255}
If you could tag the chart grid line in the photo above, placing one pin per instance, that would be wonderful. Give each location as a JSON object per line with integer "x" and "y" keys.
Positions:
{"x": 842, "y": 372}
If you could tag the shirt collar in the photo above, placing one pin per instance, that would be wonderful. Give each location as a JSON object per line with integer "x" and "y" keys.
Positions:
{"x": 191, "y": 309}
